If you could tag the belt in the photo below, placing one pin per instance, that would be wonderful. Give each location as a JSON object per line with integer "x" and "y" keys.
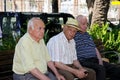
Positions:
{"x": 23, "y": 74}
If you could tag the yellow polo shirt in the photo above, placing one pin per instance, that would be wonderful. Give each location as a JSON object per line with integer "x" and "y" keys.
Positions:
{"x": 30, "y": 54}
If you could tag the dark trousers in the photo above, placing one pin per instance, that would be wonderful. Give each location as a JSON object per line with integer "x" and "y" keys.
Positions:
{"x": 70, "y": 76}
{"x": 109, "y": 70}
{"x": 29, "y": 76}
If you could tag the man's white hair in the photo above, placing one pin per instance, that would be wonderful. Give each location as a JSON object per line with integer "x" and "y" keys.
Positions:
{"x": 79, "y": 18}
{"x": 31, "y": 23}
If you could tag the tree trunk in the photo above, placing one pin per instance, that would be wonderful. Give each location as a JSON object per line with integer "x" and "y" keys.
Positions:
{"x": 90, "y": 5}
{"x": 100, "y": 11}
{"x": 119, "y": 15}
{"x": 55, "y": 6}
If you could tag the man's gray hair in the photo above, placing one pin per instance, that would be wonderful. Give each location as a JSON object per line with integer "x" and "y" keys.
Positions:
{"x": 31, "y": 23}
{"x": 79, "y": 18}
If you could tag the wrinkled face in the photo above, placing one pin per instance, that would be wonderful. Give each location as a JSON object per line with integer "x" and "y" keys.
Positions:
{"x": 69, "y": 32}
{"x": 38, "y": 31}
{"x": 83, "y": 24}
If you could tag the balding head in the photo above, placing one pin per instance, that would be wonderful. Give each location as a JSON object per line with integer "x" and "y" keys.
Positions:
{"x": 82, "y": 22}
{"x": 80, "y": 18}
{"x": 36, "y": 28}
{"x": 32, "y": 22}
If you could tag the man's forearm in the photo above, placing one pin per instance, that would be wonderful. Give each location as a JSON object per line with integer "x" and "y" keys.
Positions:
{"x": 35, "y": 72}
{"x": 77, "y": 64}
{"x": 52, "y": 67}
{"x": 99, "y": 57}
{"x": 64, "y": 67}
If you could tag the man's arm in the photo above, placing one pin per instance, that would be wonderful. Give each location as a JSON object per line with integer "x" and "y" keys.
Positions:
{"x": 77, "y": 64}
{"x": 76, "y": 72}
{"x": 64, "y": 67}
{"x": 99, "y": 57}
{"x": 35, "y": 72}
{"x": 52, "y": 67}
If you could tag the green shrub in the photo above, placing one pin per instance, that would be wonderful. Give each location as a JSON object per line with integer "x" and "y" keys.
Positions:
{"x": 110, "y": 37}
{"x": 8, "y": 43}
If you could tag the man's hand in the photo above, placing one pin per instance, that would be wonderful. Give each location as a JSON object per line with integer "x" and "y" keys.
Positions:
{"x": 60, "y": 77}
{"x": 100, "y": 62}
{"x": 80, "y": 73}
{"x": 45, "y": 78}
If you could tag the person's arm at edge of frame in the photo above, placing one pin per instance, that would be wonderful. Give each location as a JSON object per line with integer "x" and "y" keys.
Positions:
{"x": 52, "y": 67}
{"x": 99, "y": 57}
{"x": 35, "y": 72}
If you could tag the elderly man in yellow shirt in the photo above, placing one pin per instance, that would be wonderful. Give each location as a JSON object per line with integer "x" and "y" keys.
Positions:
{"x": 31, "y": 56}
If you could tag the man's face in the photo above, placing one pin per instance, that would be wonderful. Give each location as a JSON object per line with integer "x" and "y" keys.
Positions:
{"x": 38, "y": 31}
{"x": 70, "y": 32}
{"x": 83, "y": 25}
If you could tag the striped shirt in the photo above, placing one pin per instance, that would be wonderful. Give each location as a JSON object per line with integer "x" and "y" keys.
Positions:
{"x": 85, "y": 46}
{"x": 61, "y": 50}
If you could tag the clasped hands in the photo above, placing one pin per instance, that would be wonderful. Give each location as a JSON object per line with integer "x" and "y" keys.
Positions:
{"x": 81, "y": 73}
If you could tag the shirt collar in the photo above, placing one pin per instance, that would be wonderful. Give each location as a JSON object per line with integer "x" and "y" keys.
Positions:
{"x": 28, "y": 35}
{"x": 64, "y": 37}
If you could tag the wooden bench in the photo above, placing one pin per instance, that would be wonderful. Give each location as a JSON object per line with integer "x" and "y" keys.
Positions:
{"x": 6, "y": 60}
{"x": 109, "y": 56}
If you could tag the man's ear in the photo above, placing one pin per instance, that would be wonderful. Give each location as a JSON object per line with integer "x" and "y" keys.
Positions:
{"x": 30, "y": 29}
